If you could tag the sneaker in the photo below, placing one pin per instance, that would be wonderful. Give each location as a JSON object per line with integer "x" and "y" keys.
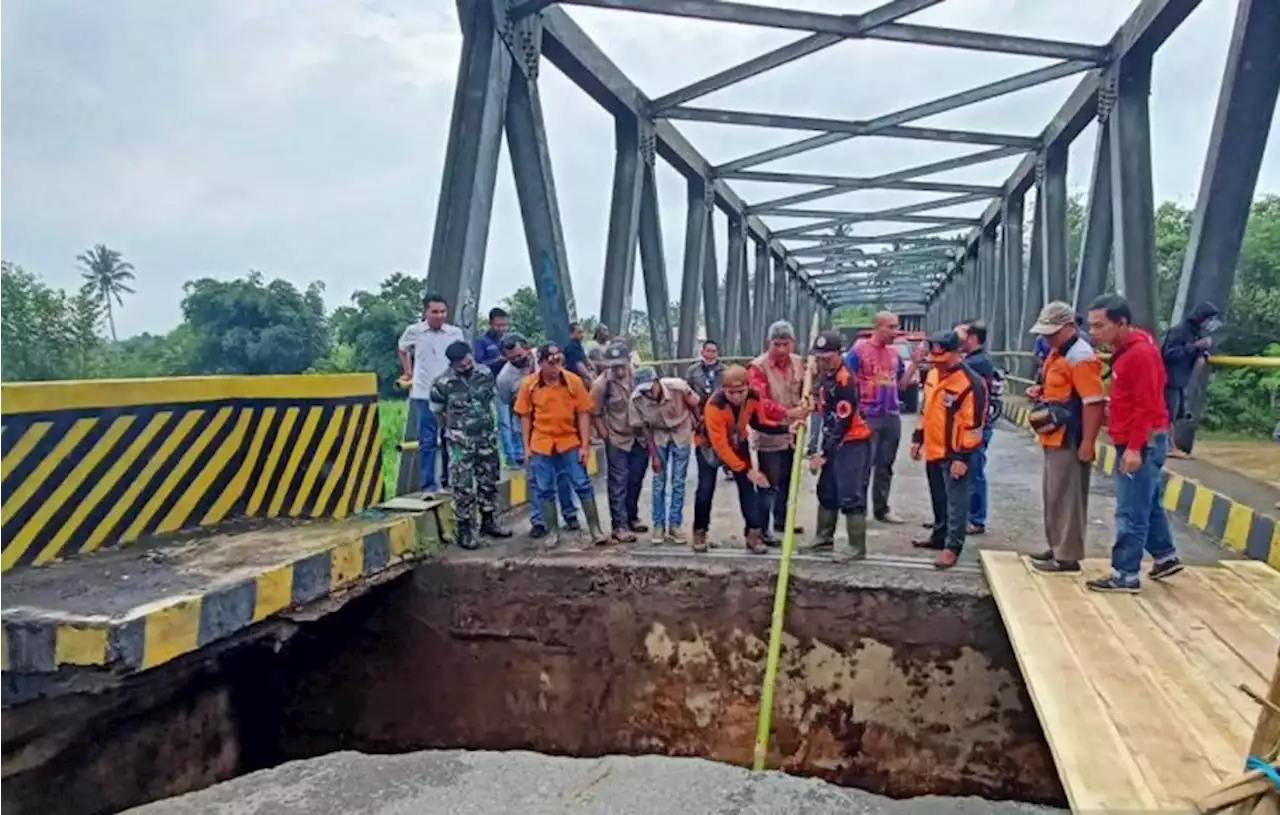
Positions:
{"x": 945, "y": 560}
{"x": 536, "y": 532}
{"x": 1113, "y": 585}
{"x": 1043, "y": 557}
{"x": 781, "y": 530}
{"x": 677, "y": 537}
{"x": 624, "y": 535}
{"x": 976, "y": 529}
{"x": 928, "y": 543}
{"x": 659, "y": 536}
{"x": 890, "y": 518}
{"x": 770, "y": 540}
{"x": 1052, "y": 566}
{"x": 636, "y": 526}
{"x": 572, "y": 524}
{"x": 1166, "y": 569}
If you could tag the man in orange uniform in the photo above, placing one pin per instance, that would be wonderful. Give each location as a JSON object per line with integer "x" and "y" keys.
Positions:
{"x": 555, "y": 409}
{"x": 727, "y": 418}
{"x": 841, "y": 449}
{"x": 1066, "y": 415}
{"x": 778, "y": 376}
{"x": 952, "y": 414}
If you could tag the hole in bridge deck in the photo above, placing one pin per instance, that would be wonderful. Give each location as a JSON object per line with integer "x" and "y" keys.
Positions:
{"x": 899, "y": 691}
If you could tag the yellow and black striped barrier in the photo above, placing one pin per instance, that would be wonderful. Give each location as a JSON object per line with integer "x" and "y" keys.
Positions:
{"x": 34, "y": 640}
{"x": 1240, "y": 527}
{"x": 94, "y": 464}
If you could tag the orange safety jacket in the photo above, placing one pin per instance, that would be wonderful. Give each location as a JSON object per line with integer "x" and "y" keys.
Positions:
{"x": 953, "y": 414}
{"x": 837, "y": 405}
{"x": 726, "y": 426}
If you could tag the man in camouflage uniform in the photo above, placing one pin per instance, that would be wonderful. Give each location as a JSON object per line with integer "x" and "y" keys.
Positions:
{"x": 463, "y": 398}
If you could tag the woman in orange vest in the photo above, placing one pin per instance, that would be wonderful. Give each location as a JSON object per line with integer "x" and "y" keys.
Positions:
{"x": 841, "y": 449}
{"x": 952, "y": 415}
{"x": 727, "y": 419}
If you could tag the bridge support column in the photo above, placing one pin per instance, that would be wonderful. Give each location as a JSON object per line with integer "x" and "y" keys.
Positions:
{"x": 1246, "y": 107}
{"x": 735, "y": 286}
{"x": 760, "y": 314}
{"x": 1131, "y": 196}
{"x": 778, "y": 308}
{"x": 695, "y": 254}
{"x": 1011, "y": 297}
{"x": 711, "y": 304}
{"x": 455, "y": 269}
{"x": 1095, "y": 243}
{"x": 653, "y": 264}
{"x": 1033, "y": 287}
{"x": 1051, "y": 201}
{"x": 624, "y": 220}
{"x": 993, "y": 312}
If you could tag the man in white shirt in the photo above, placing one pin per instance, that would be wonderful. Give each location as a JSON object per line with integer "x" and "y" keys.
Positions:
{"x": 422, "y": 359}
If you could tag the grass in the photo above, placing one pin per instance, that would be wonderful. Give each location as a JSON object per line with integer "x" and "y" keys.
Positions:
{"x": 391, "y": 419}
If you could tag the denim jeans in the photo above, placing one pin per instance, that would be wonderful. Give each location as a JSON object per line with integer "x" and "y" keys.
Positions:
{"x": 675, "y": 466}
{"x": 568, "y": 509}
{"x": 1141, "y": 523}
{"x": 978, "y": 481}
{"x": 428, "y": 443}
{"x": 550, "y": 472}
{"x": 511, "y": 436}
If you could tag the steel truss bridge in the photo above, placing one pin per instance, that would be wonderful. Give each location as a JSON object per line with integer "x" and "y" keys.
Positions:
{"x": 941, "y": 266}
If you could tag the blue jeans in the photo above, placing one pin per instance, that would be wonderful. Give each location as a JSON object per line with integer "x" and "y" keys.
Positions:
{"x": 675, "y": 466}
{"x": 428, "y": 442}
{"x": 1141, "y": 523}
{"x": 511, "y": 435}
{"x": 978, "y": 481}
{"x": 551, "y": 472}
{"x": 568, "y": 509}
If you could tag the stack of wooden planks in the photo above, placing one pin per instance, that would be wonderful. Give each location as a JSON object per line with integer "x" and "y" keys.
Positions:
{"x": 1139, "y": 695}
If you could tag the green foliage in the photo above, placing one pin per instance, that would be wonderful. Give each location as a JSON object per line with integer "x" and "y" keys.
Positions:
{"x": 108, "y": 275}
{"x": 47, "y": 333}
{"x": 371, "y": 327}
{"x": 246, "y": 326}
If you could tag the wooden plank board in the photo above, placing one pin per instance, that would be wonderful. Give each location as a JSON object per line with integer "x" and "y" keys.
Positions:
{"x": 1137, "y": 694}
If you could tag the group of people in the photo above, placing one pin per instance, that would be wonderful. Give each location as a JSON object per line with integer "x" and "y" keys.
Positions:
{"x": 743, "y": 421}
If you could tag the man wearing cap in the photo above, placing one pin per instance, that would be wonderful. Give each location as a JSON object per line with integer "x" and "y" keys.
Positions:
{"x": 778, "y": 376}
{"x": 1066, "y": 414}
{"x": 953, "y": 411}
{"x": 723, "y": 440}
{"x": 665, "y": 410}
{"x": 881, "y": 375}
{"x": 625, "y": 455}
{"x": 841, "y": 452}
{"x": 1140, "y": 429}
{"x": 555, "y": 411}
{"x": 462, "y": 398}
{"x": 520, "y": 364}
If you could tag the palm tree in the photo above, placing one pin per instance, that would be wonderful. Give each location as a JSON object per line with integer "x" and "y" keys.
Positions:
{"x": 108, "y": 275}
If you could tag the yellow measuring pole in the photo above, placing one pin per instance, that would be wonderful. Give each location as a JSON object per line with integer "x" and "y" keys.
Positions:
{"x": 764, "y": 722}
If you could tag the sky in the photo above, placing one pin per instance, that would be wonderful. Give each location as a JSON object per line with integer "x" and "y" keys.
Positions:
{"x": 306, "y": 139}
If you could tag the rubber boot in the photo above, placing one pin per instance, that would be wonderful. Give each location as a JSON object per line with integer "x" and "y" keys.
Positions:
{"x": 465, "y": 537}
{"x": 825, "y": 537}
{"x": 595, "y": 532}
{"x": 489, "y": 527}
{"x": 856, "y": 547}
{"x": 552, "y": 520}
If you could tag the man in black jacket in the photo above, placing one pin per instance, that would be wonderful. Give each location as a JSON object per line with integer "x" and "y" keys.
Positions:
{"x": 1185, "y": 346}
{"x": 973, "y": 337}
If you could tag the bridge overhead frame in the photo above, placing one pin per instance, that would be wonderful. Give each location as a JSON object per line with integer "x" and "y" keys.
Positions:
{"x": 946, "y": 266}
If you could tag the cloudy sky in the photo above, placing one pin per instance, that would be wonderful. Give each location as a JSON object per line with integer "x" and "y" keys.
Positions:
{"x": 305, "y": 139}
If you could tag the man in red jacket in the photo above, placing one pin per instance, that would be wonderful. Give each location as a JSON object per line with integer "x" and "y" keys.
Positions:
{"x": 1140, "y": 430}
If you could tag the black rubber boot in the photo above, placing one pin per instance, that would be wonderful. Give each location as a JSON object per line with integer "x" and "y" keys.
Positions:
{"x": 552, "y": 520}
{"x": 825, "y": 537}
{"x": 466, "y": 538}
{"x": 489, "y": 527}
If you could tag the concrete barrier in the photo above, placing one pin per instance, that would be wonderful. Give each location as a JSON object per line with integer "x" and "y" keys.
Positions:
{"x": 1237, "y": 525}
{"x": 95, "y": 464}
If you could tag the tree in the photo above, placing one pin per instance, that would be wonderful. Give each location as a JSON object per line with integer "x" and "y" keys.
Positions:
{"x": 525, "y": 314}
{"x": 366, "y": 333}
{"x": 246, "y": 326}
{"x": 46, "y": 333}
{"x": 109, "y": 276}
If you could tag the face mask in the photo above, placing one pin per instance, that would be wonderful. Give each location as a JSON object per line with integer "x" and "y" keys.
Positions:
{"x": 1211, "y": 325}
{"x": 464, "y": 372}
